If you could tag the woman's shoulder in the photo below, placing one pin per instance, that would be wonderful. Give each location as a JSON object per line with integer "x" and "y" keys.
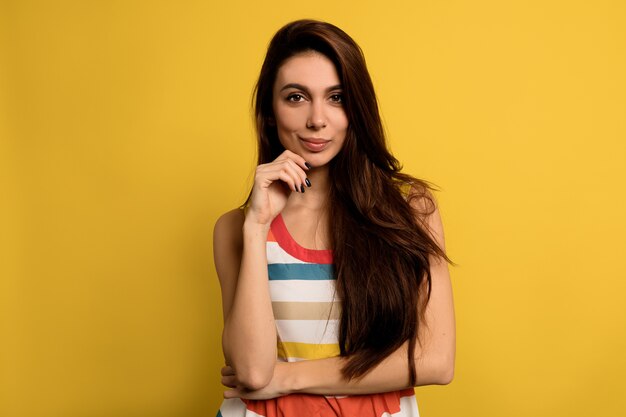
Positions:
{"x": 228, "y": 245}
{"x": 228, "y": 226}
{"x": 235, "y": 215}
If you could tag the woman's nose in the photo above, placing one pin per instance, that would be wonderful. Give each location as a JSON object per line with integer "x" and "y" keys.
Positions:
{"x": 316, "y": 119}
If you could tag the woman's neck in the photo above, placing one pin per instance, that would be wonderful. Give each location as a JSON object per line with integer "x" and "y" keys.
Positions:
{"x": 305, "y": 214}
{"x": 315, "y": 197}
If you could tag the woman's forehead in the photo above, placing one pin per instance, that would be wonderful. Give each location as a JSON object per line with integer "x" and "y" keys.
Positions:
{"x": 311, "y": 69}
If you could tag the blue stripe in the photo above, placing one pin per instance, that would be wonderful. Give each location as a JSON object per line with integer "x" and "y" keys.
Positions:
{"x": 281, "y": 272}
{"x": 219, "y": 413}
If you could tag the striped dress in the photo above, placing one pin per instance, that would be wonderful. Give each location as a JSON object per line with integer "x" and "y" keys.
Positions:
{"x": 306, "y": 312}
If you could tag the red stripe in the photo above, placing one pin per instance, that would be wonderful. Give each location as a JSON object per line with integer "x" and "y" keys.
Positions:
{"x": 286, "y": 241}
{"x": 270, "y": 236}
{"x": 300, "y": 405}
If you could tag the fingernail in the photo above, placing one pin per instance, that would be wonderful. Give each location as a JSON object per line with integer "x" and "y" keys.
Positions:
{"x": 302, "y": 187}
{"x": 308, "y": 165}
{"x": 307, "y": 182}
{"x": 295, "y": 187}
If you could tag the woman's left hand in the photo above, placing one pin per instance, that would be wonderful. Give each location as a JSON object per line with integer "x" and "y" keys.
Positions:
{"x": 274, "y": 389}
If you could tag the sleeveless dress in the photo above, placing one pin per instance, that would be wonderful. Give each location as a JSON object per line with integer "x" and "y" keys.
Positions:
{"x": 306, "y": 313}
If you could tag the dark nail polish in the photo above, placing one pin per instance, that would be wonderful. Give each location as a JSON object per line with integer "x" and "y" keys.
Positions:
{"x": 308, "y": 165}
{"x": 307, "y": 182}
{"x": 302, "y": 188}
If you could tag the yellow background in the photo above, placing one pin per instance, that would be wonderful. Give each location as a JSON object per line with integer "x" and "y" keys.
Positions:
{"x": 125, "y": 131}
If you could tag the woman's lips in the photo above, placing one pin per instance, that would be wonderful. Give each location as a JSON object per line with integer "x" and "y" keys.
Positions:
{"x": 315, "y": 144}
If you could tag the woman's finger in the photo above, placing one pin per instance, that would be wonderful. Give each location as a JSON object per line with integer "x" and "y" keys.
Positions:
{"x": 297, "y": 159}
{"x": 292, "y": 164}
{"x": 301, "y": 174}
{"x": 266, "y": 174}
{"x": 232, "y": 393}
{"x": 296, "y": 174}
{"x": 227, "y": 370}
{"x": 284, "y": 170}
{"x": 229, "y": 381}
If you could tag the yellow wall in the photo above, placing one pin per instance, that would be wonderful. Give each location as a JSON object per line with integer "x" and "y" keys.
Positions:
{"x": 125, "y": 132}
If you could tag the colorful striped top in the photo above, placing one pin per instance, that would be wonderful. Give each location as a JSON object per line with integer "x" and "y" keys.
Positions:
{"x": 306, "y": 313}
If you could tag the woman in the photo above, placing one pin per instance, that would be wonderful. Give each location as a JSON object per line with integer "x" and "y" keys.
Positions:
{"x": 335, "y": 265}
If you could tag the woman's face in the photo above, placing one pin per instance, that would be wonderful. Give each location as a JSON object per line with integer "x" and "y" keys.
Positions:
{"x": 308, "y": 108}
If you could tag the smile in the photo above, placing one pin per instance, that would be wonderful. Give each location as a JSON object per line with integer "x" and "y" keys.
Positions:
{"x": 314, "y": 144}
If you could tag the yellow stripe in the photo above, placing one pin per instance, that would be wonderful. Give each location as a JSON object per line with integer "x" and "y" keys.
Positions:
{"x": 307, "y": 350}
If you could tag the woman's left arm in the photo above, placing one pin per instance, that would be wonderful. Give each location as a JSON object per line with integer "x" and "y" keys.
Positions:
{"x": 434, "y": 352}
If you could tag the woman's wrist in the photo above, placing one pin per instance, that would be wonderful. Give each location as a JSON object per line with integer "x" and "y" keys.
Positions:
{"x": 253, "y": 227}
{"x": 287, "y": 377}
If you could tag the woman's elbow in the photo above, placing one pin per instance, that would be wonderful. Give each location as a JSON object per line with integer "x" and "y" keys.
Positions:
{"x": 255, "y": 378}
{"x": 446, "y": 375}
{"x": 439, "y": 370}
{"x": 253, "y": 373}
{"x": 445, "y": 370}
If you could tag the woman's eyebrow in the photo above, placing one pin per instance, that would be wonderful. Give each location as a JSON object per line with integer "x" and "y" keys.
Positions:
{"x": 305, "y": 89}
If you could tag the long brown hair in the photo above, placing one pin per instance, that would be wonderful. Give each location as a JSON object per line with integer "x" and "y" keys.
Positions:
{"x": 381, "y": 254}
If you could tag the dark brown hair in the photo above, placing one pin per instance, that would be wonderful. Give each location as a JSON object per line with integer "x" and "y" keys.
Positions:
{"x": 381, "y": 254}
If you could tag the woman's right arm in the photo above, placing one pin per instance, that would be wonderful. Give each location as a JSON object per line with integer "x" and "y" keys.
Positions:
{"x": 239, "y": 250}
{"x": 249, "y": 336}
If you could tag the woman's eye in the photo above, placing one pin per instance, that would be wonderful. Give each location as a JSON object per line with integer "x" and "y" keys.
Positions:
{"x": 337, "y": 98}
{"x": 295, "y": 98}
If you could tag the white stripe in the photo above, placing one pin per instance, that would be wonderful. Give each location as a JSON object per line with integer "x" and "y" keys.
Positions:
{"x": 302, "y": 290}
{"x": 277, "y": 255}
{"x": 308, "y": 331}
{"x": 408, "y": 408}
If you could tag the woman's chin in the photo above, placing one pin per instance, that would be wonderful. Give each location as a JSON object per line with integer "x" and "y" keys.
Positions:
{"x": 318, "y": 159}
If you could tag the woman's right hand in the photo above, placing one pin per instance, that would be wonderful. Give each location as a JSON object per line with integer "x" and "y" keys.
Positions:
{"x": 273, "y": 183}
